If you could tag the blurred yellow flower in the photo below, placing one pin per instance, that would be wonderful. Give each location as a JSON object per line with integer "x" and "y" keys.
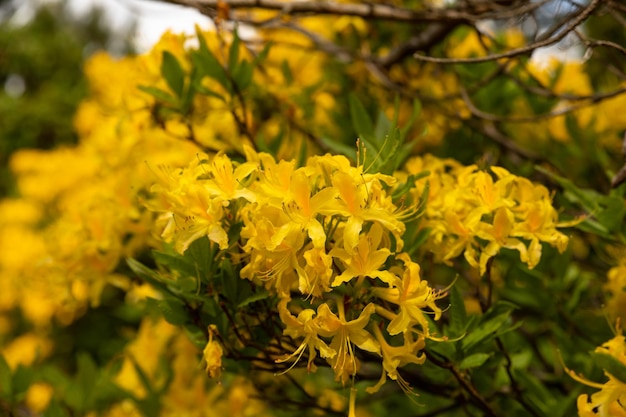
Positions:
{"x": 38, "y": 396}
{"x": 212, "y": 355}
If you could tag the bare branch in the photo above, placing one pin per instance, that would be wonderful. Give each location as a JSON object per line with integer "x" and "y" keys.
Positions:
{"x": 424, "y": 40}
{"x": 518, "y": 51}
{"x": 536, "y": 117}
{"x": 471, "y": 13}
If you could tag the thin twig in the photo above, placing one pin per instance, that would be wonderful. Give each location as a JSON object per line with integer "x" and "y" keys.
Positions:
{"x": 518, "y": 51}
{"x": 487, "y": 11}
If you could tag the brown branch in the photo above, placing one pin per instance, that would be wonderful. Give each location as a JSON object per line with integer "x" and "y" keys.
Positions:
{"x": 526, "y": 119}
{"x": 483, "y": 11}
{"x": 425, "y": 40}
{"x": 608, "y": 44}
{"x": 479, "y": 400}
{"x": 518, "y": 51}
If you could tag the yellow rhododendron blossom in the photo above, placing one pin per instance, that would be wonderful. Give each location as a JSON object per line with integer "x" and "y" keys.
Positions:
{"x": 304, "y": 325}
{"x": 345, "y": 335}
{"x": 38, "y": 396}
{"x": 212, "y": 355}
{"x": 611, "y": 397}
{"x": 411, "y": 294}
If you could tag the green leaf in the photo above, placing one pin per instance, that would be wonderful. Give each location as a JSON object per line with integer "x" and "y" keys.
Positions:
{"x": 173, "y": 73}
{"x": 234, "y": 233}
{"x": 490, "y": 323}
{"x": 174, "y": 311}
{"x": 339, "y": 148}
{"x": 159, "y": 94}
{"x": 257, "y": 296}
{"x": 612, "y": 214}
{"x": 55, "y": 410}
{"x": 383, "y": 126}
{"x": 262, "y": 56}
{"x": 6, "y": 379}
{"x": 196, "y": 335}
{"x": 80, "y": 392}
{"x": 287, "y": 74}
{"x": 474, "y": 361}
{"x": 362, "y": 123}
{"x": 229, "y": 280}
{"x": 610, "y": 364}
{"x": 175, "y": 262}
{"x": 22, "y": 378}
{"x": 564, "y": 406}
{"x": 242, "y": 75}
{"x": 458, "y": 314}
{"x": 415, "y": 114}
{"x": 208, "y": 65}
{"x": 233, "y": 53}
{"x": 540, "y": 396}
{"x": 148, "y": 275}
{"x": 196, "y": 85}
{"x": 608, "y": 210}
{"x": 202, "y": 254}
{"x": 150, "y": 405}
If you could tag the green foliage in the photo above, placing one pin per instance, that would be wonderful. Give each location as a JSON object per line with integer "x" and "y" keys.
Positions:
{"x": 42, "y": 79}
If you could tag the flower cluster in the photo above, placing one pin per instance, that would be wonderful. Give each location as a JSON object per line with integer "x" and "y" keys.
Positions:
{"x": 326, "y": 233}
{"x": 610, "y": 400}
{"x": 475, "y": 213}
{"x": 327, "y": 239}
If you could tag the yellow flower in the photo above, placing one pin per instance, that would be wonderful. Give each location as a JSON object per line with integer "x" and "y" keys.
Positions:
{"x": 398, "y": 356}
{"x": 411, "y": 295}
{"x": 304, "y": 208}
{"x": 612, "y": 395}
{"x": 304, "y": 325}
{"x": 226, "y": 182}
{"x": 361, "y": 201}
{"x": 365, "y": 260}
{"x": 212, "y": 355}
{"x": 344, "y": 335}
{"x": 26, "y": 350}
{"x": 38, "y": 396}
{"x": 315, "y": 279}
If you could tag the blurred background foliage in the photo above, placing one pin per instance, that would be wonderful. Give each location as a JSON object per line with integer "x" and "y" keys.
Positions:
{"x": 41, "y": 74}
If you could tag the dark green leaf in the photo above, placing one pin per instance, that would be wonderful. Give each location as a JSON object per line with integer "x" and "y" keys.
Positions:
{"x": 415, "y": 114}
{"x": 148, "y": 275}
{"x": 202, "y": 253}
{"x": 257, "y": 296}
{"x": 175, "y": 262}
{"x": 490, "y": 323}
{"x": 458, "y": 315}
{"x": 150, "y": 405}
{"x": 233, "y": 53}
{"x": 197, "y": 336}
{"x": 174, "y": 311}
{"x": 610, "y": 364}
{"x": 196, "y": 85}
{"x": 6, "y": 385}
{"x": 339, "y": 148}
{"x": 55, "y": 410}
{"x": 173, "y": 73}
{"x": 474, "y": 361}
{"x": 287, "y": 75}
{"x": 230, "y": 280}
{"x": 262, "y": 56}
{"x": 208, "y": 65}
{"x": 242, "y": 75}
{"x": 22, "y": 378}
{"x": 159, "y": 94}
{"x": 362, "y": 123}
